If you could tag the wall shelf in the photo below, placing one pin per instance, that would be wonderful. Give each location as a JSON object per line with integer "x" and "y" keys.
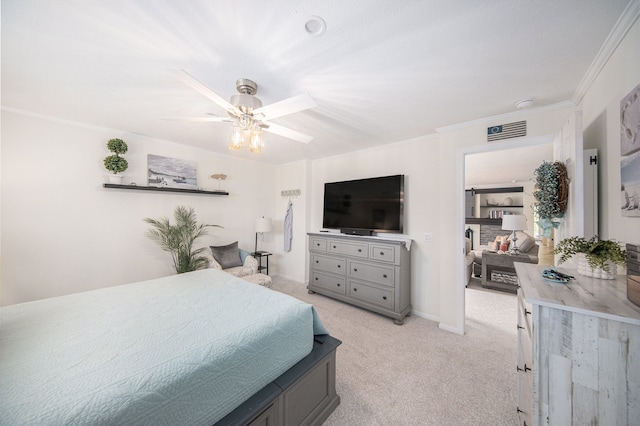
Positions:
{"x": 157, "y": 189}
{"x": 482, "y": 221}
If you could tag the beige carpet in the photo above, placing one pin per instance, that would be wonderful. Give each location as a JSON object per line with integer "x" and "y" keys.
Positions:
{"x": 417, "y": 374}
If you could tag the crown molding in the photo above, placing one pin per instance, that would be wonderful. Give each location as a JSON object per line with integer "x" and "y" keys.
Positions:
{"x": 619, "y": 31}
{"x": 506, "y": 116}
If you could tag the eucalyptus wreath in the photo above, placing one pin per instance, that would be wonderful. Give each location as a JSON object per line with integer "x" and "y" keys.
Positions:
{"x": 551, "y": 190}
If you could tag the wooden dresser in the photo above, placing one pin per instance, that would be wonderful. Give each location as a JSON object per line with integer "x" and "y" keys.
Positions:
{"x": 578, "y": 351}
{"x": 373, "y": 273}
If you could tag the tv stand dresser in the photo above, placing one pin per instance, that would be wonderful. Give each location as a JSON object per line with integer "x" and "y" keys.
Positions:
{"x": 373, "y": 273}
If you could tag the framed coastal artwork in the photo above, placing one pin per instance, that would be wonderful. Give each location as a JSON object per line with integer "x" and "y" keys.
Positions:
{"x": 167, "y": 172}
{"x": 630, "y": 153}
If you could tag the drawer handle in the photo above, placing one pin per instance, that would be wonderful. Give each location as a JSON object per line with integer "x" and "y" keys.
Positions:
{"x": 384, "y": 297}
{"x": 316, "y": 278}
{"x": 317, "y": 261}
{"x": 520, "y": 327}
{"x": 384, "y": 275}
{"x": 525, "y": 368}
{"x": 359, "y": 250}
{"x": 355, "y": 289}
{"x": 355, "y": 269}
{"x": 334, "y": 246}
{"x": 527, "y": 312}
{"x": 338, "y": 284}
{"x": 318, "y": 244}
{"x": 338, "y": 266}
{"x": 381, "y": 253}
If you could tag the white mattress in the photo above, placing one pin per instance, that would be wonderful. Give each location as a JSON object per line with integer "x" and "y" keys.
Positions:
{"x": 185, "y": 349}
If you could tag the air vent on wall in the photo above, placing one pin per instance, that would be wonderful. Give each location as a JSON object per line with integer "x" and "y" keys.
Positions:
{"x": 507, "y": 131}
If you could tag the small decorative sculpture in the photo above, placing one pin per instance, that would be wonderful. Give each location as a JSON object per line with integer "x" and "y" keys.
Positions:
{"x": 219, "y": 177}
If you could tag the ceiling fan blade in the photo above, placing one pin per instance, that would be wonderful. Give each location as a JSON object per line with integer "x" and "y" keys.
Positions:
{"x": 287, "y": 133}
{"x": 198, "y": 119}
{"x": 285, "y": 107}
{"x": 191, "y": 81}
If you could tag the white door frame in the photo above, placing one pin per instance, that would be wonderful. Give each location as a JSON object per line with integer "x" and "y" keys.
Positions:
{"x": 460, "y": 212}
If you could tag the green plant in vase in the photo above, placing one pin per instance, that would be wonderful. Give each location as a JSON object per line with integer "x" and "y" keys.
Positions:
{"x": 114, "y": 163}
{"x": 600, "y": 256}
{"x": 178, "y": 238}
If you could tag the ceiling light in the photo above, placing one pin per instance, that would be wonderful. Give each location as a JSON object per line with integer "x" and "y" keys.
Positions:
{"x": 315, "y": 26}
{"x": 246, "y": 129}
{"x": 524, "y": 103}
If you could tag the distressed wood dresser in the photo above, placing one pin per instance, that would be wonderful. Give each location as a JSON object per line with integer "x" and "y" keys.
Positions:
{"x": 578, "y": 351}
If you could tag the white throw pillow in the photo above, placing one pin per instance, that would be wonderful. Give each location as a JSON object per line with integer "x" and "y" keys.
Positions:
{"x": 525, "y": 241}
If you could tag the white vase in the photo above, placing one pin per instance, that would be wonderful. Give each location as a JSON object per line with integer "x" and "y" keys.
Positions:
{"x": 588, "y": 271}
{"x": 115, "y": 179}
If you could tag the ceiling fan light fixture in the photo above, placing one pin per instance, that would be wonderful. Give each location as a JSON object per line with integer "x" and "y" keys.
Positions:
{"x": 256, "y": 142}
{"x": 235, "y": 139}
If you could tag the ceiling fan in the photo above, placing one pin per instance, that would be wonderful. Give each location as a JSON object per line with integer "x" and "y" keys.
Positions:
{"x": 247, "y": 114}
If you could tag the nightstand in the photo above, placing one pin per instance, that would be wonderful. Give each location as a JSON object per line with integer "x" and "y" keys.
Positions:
{"x": 259, "y": 255}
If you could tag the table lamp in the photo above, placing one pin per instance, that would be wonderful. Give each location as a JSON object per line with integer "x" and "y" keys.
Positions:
{"x": 262, "y": 225}
{"x": 514, "y": 222}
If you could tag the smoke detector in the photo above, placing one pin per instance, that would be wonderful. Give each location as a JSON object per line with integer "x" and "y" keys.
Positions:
{"x": 315, "y": 26}
{"x": 524, "y": 103}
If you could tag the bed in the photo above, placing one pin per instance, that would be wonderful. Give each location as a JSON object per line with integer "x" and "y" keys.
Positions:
{"x": 195, "y": 348}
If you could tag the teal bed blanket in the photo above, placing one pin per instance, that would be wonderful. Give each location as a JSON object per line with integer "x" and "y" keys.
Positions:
{"x": 184, "y": 349}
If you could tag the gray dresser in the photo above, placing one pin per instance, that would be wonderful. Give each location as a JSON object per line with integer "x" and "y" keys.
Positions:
{"x": 578, "y": 351}
{"x": 370, "y": 272}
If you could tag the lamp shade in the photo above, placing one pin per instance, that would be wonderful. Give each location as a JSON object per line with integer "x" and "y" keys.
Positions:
{"x": 514, "y": 222}
{"x": 263, "y": 224}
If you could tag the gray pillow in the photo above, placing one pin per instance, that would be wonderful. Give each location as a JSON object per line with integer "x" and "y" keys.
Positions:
{"x": 227, "y": 256}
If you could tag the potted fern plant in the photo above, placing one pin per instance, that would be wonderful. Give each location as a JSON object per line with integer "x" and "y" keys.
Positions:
{"x": 178, "y": 238}
{"x": 114, "y": 163}
{"x": 595, "y": 258}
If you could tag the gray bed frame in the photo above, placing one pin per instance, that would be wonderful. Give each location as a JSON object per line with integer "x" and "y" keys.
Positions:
{"x": 304, "y": 395}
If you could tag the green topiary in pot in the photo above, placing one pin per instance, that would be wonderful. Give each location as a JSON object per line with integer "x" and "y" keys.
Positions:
{"x": 114, "y": 163}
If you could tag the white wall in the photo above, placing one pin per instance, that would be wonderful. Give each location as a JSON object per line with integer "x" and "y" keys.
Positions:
{"x": 601, "y": 115}
{"x": 62, "y": 232}
{"x": 292, "y": 265}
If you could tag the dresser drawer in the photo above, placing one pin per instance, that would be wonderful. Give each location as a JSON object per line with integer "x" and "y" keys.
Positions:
{"x": 328, "y": 282}
{"x": 383, "y": 253}
{"x": 379, "y": 274}
{"x": 370, "y": 294}
{"x": 317, "y": 244}
{"x": 329, "y": 264}
{"x": 524, "y": 314}
{"x": 348, "y": 248}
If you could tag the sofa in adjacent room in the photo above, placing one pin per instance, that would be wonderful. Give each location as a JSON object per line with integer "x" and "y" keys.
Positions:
{"x": 526, "y": 245}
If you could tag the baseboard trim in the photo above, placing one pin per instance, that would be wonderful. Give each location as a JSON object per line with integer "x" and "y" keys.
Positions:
{"x": 425, "y": 316}
{"x": 450, "y": 329}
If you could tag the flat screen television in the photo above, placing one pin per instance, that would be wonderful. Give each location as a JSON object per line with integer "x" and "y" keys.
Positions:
{"x": 364, "y": 206}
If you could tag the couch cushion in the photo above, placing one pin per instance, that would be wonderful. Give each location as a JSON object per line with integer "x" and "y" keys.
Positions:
{"x": 227, "y": 256}
{"x": 525, "y": 241}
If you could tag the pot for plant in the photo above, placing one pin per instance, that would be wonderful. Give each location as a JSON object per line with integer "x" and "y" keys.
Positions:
{"x": 115, "y": 179}
{"x": 588, "y": 271}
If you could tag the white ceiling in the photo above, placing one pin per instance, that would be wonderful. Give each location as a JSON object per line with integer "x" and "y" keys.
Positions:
{"x": 384, "y": 71}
